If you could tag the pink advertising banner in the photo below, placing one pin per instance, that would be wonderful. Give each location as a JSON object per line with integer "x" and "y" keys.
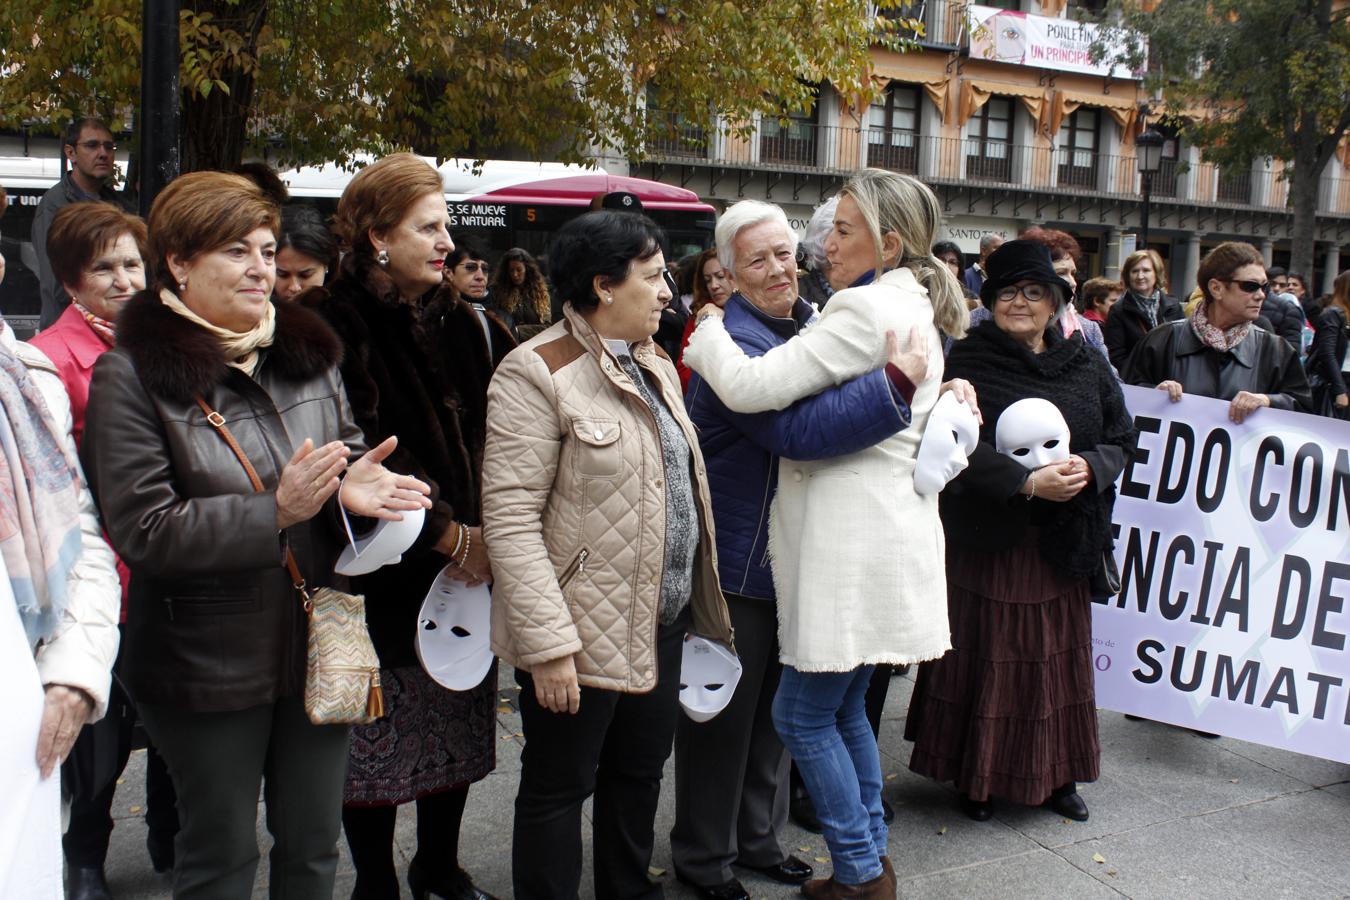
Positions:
{"x": 1233, "y": 543}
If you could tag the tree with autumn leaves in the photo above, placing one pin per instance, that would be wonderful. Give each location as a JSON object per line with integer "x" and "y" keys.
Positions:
{"x": 1250, "y": 79}
{"x": 547, "y": 79}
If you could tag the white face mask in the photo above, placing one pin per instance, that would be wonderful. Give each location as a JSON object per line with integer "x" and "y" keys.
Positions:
{"x": 949, "y": 438}
{"x": 709, "y": 674}
{"x": 1033, "y": 432}
{"x": 452, "y": 633}
{"x": 382, "y": 547}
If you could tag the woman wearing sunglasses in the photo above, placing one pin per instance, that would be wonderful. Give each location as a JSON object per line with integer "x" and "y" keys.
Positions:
{"x": 1215, "y": 352}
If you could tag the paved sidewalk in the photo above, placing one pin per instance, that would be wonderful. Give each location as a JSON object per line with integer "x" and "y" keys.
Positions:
{"x": 1173, "y": 816}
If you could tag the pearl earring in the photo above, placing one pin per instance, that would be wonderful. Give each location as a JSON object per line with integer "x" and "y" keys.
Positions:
{"x": 382, "y": 258}
{"x": 610, "y": 300}
{"x": 182, "y": 285}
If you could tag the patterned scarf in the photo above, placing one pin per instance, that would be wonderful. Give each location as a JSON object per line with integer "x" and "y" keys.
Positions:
{"x": 100, "y": 326}
{"x": 1214, "y": 337}
{"x": 39, "y": 501}
{"x": 241, "y": 348}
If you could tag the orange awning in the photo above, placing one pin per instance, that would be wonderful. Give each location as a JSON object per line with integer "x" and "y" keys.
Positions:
{"x": 975, "y": 94}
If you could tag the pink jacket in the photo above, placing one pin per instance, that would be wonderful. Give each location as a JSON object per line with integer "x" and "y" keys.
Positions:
{"x": 74, "y": 347}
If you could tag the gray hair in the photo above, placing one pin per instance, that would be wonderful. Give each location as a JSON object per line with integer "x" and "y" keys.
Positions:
{"x": 743, "y": 215}
{"x": 817, "y": 230}
{"x": 987, "y": 243}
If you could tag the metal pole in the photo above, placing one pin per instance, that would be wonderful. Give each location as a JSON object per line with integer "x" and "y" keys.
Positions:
{"x": 1148, "y": 188}
{"x": 160, "y": 99}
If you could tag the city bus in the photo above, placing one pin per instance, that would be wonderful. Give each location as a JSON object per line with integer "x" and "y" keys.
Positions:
{"x": 502, "y": 204}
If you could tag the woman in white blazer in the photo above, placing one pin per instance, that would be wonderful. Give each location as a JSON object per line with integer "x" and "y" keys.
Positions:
{"x": 857, "y": 554}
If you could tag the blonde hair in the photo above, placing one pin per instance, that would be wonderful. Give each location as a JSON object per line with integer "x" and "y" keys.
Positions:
{"x": 203, "y": 211}
{"x": 893, "y": 202}
{"x": 380, "y": 196}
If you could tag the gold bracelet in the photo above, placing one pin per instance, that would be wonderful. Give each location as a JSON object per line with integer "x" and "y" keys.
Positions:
{"x": 459, "y": 539}
{"x": 468, "y": 543}
{"x": 1032, "y": 479}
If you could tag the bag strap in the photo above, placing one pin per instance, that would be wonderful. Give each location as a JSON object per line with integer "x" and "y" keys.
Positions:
{"x": 218, "y": 423}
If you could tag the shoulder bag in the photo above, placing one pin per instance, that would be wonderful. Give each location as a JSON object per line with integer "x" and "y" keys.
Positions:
{"x": 342, "y": 671}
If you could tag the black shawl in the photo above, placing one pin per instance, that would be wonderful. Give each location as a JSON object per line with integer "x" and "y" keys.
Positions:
{"x": 982, "y": 508}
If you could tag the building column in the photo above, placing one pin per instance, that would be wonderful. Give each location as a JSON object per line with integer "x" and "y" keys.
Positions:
{"x": 1268, "y": 251}
{"x": 1331, "y": 268}
{"x": 1112, "y": 258}
{"x": 1190, "y": 268}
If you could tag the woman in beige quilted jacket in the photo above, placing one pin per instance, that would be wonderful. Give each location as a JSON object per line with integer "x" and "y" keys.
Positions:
{"x": 599, "y": 529}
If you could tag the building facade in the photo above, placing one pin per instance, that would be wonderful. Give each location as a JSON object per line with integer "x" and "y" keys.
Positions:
{"x": 1002, "y": 112}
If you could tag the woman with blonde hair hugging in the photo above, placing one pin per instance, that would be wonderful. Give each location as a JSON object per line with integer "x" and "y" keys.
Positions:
{"x": 879, "y": 594}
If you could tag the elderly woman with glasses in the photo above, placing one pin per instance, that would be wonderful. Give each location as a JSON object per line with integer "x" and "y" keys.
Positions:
{"x": 1010, "y": 711}
{"x": 1216, "y": 352}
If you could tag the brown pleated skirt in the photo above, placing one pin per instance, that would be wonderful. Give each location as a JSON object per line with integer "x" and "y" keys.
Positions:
{"x": 1010, "y": 711}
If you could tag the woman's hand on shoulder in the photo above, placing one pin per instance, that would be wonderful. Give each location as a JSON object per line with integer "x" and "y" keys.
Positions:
{"x": 913, "y": 359}
{"x": 708, "y": 311}
{"x": 308, "y": 480}
{"x": 372, "y": 490}
{"x": 555, "y": 685}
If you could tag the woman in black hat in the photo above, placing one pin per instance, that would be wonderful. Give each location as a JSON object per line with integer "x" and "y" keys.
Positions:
{"x": 1010, "y": 711}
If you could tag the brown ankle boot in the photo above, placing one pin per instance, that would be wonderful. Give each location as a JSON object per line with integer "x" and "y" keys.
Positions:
{"x": 889, "y": 872}
{"x": 880, "y": 888}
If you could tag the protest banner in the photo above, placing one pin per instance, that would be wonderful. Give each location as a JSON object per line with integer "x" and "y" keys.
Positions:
{"x": 1233, "y": 543}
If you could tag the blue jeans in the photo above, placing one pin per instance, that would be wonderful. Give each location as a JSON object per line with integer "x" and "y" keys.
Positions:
{"x": 822, "y": 720}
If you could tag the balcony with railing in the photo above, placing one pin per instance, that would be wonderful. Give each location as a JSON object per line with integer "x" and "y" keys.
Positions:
{"x": 943, "y": 21}
{"x": 836, "y": 150}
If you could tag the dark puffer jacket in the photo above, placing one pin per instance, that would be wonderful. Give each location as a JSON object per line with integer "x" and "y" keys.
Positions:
{"x": 213, "y": 623}
{"x": 742, "y": 450}
{"x": 1286, "y": 318}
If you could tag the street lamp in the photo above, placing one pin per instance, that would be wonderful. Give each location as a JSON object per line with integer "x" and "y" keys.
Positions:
{"x": 1148, "y": 148}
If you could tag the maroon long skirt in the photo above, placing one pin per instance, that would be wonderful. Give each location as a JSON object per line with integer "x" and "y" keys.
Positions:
{"x": 1010, "y": 711}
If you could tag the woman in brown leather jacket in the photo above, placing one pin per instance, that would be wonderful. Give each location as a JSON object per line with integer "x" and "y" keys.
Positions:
{"x": 599, "y": 526}
{"x": 215, "y": 634}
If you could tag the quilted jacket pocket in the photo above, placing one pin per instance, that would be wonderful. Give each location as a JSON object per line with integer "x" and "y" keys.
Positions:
{"x": 598, "y": 450}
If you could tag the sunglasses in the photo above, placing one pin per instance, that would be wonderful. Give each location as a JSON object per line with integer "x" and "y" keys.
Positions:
{"x": 94, "y": 145}
{"x": 472, "y": 267}
{"x": 1034, "y": 293}
{"x": 1248, "y": 287}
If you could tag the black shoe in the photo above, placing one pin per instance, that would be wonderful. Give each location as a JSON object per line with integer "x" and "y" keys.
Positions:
{"x": 803, "y": 811}
{"x": 1066, "y": 802}
{"x": 1204, "y": 734}
{"x": 1133, "y": 718}
{"x": 979, "y": 810}
{"x": 161, "y": 852}
{"x": 790, "y": 871}
{"x": 727, "y": 890}
{"x": 86, "y": 883}
{"x": 887, "y": 812}
{"x": 456, "y": 886}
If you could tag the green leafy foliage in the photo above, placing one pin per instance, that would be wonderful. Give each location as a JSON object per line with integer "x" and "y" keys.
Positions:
{"x": 542, "y": 78}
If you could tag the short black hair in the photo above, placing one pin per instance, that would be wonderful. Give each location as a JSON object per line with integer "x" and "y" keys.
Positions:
{"x": 466, "y": 247}
{"x": 303, "y": 230}
{"x": 266, "y": 178}
{"x": 77, "y": 126}
{"x": 1276, "y": 272}
{"x": 604, "y": 243}
{"x": 942, "y": 247}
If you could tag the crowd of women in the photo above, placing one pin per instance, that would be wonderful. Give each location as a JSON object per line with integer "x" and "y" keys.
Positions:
{"x": 233, "y": 378}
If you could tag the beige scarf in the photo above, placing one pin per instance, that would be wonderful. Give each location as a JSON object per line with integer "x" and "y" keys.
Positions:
{"x": 240, "y": 348}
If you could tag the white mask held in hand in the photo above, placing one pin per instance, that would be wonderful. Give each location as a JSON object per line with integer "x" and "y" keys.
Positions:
{"x": 452, "y": 633}
{"x": 1033, "y": 432}
{"x": 949, "y": 438}
{"x": 709, "y": 674}
{"x": 383, "y": 546}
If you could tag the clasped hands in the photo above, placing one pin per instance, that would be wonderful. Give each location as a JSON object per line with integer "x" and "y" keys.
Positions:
{"x": 368, "y": 489}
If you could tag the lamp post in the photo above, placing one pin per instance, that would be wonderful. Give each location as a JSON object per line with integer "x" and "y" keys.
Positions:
{"x": 1148, "y": 149}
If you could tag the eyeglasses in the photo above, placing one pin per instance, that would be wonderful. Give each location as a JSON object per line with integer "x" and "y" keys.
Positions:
{"x": 1248, "y": 287}
{"x": 1034, "y": 293}
{"x": 94, "y": 145}
{"x": 472, "y": 267}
